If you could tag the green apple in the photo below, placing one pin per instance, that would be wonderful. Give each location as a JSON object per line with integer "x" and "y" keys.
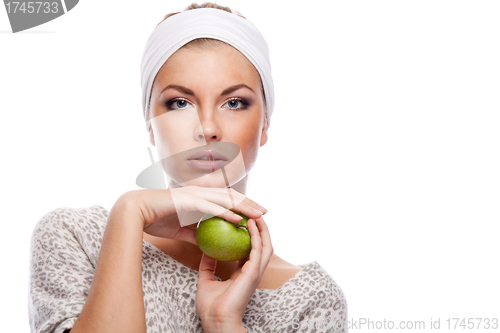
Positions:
{"x": 223, "y": 240}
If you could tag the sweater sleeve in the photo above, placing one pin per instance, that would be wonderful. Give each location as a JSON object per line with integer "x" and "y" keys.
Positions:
{"x": 61, "y": 271}
{"x": 327, "y": 314}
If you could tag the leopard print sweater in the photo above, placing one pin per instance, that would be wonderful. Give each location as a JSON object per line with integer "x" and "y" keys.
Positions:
{"x": 64, "y": 250}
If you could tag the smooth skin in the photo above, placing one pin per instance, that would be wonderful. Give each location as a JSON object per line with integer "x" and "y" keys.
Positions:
{"x": 182, "y": 121}
{"x": 115, "y": 301}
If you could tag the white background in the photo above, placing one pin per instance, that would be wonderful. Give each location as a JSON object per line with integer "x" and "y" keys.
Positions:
{"x": 383, "y": 154}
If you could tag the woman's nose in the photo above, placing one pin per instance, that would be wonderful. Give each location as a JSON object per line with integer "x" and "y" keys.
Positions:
{"x": 209, "y": 129}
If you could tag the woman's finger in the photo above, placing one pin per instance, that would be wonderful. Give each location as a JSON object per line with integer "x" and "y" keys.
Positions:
{"x": 207, "y": 268}
{"x": 256, "y": 252}
{"x": 234, "y": 200}
{"x": 228, "y": 197}
{"x": 267, "y": 247}
{"x": 249, "y": 201}
{"x": 248, "y": 277}
{"x": 248, "y": 210}
{"x": 216, "y": 210}
{"x": 185, "y": 201}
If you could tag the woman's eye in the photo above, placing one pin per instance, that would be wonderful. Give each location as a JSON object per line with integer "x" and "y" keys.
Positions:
{"x": 176, "y": 103}
{"x": 237, "y": 104}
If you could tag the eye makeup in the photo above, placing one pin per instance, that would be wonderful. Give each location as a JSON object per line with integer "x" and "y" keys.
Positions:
{"x": 179, "y": 103}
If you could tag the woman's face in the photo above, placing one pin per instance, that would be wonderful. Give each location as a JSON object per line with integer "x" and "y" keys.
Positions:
{"x": 207, "y": 100}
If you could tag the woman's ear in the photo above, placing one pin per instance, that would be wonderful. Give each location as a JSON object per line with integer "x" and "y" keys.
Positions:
{"x": 151, "y": 137}
{"x": 263, "y": 136}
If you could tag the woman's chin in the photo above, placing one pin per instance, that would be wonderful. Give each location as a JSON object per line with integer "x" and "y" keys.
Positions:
{"x": 206, "y": 181}
{"x": 218, "y": 179}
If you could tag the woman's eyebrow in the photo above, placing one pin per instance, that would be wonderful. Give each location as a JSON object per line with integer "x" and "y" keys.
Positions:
{"x": 182, "y": 89}
{"x": 234, "y": 88}
{"x": 188, "y": 91}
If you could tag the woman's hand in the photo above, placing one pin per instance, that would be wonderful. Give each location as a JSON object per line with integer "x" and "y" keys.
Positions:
{"x": 159, "y": 209}
{"x": 221, "y": 304}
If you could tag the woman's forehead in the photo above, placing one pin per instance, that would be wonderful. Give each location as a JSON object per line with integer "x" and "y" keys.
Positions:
{"x": 220, "y": 65}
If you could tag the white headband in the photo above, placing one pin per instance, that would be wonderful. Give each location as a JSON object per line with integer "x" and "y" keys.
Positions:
{"x": 174, "y": 32}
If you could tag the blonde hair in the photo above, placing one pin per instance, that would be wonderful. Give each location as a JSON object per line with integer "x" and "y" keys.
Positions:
{"x": 205, "y": 5}
{"x": 211, "y": 42}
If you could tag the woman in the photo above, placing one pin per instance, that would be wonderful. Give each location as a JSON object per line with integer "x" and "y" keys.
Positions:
{"x": 208, "y": 98}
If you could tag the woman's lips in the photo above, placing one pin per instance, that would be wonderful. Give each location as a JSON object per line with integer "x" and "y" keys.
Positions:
{"x": 210, "y": 165}
{"x": 207, "y": 160}
{"x": 208, "y": 154}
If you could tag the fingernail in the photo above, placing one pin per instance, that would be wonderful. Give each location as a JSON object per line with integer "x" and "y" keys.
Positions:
{"x": 257, "y": 211}
{"x": 237, "y": 216}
